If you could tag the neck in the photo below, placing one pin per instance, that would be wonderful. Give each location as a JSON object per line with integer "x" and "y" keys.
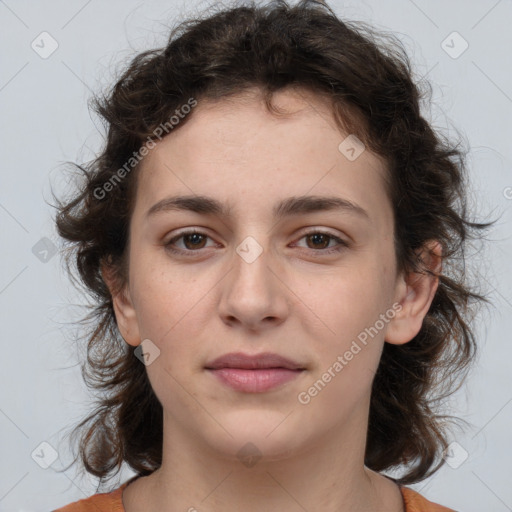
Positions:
{"x": 327, "y": 475}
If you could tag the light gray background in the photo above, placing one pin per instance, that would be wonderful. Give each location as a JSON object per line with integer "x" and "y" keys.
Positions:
{"x": 45, "y": 122}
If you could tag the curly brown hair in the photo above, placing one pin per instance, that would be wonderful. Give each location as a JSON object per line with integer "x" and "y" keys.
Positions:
{"x": 368, "y": 78}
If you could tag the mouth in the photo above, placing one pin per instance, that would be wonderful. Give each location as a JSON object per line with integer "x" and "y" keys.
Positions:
{"x": 267, "y": 360}
{"x": 254, "y": 373}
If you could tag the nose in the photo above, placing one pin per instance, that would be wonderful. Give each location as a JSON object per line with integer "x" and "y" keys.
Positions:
{"x": 253, "y": 294}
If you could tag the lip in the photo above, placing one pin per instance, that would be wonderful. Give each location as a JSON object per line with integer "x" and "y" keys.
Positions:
{"x": 254, "y": 373}
{"x": 253, "y": 362}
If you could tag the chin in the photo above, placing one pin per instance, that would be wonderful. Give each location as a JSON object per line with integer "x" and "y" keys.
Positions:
{"x": 261, "y": 435}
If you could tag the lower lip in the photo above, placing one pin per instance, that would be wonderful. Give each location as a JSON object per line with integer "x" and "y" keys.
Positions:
{"x": 255, "y": 381}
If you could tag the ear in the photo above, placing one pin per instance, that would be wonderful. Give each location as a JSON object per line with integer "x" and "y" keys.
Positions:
{"x": 415, "y": 292}
{"x": 126, "y": 316}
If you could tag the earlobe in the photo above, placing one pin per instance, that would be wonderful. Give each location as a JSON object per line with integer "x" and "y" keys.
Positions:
{"x": 415, "y": 293}
{"x": 126, "y": 316}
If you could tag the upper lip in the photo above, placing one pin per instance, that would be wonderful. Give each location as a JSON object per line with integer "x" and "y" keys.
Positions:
{"x": 252, "y": 362}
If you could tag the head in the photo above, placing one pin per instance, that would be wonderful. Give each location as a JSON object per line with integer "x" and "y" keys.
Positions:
{"x": 257, "y": 115}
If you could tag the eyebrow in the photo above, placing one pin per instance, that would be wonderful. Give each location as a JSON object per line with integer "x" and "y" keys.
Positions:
{"x": 295, "y": 205}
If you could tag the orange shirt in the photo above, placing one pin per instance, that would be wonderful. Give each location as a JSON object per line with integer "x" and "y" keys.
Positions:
{"x": 112, "y": 502}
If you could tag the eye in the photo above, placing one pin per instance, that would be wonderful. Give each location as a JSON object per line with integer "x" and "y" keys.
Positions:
{"x": 193, "y": 240}
{"x": 319, "y": 241}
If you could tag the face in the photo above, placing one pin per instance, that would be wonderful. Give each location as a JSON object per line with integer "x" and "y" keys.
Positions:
{"x": 305, "y": 280}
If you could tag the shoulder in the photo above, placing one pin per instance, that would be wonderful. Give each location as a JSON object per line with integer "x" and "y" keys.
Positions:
{"x": 415, "y": 502}
{"x": 106, "y": 502}
{"x": 112, "y": 502}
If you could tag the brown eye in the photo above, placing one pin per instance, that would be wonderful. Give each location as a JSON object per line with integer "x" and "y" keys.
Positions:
{"x": 319, "y": 240}
{"x": 196, "y": 240}
{"x": 191, "y": 241}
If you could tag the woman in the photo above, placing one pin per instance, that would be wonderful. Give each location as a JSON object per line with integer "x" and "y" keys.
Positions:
{"x": 272, "y": 234}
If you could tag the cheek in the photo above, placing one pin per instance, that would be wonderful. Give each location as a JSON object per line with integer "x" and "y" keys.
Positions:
{"x": 347, "y": 355}
{"x": 347, "y": 300}
{"x": 164, "y": 296}
{"x": 174, "y": 311}
{"x": 347, "y": 316}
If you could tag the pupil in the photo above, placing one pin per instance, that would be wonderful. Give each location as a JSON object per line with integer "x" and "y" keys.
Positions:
{"x": 318, "y": 237}
{"x": 194, "y": 238}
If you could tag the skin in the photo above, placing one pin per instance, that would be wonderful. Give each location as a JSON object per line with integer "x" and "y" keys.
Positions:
{"x": 294, "y": 300}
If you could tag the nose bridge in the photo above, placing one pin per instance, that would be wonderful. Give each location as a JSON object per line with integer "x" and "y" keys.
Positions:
{"x": 252, "y": 292}
{"x": 252, "y": 266}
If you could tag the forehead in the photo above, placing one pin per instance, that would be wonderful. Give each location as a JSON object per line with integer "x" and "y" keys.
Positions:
{"x": 235, "y": 149}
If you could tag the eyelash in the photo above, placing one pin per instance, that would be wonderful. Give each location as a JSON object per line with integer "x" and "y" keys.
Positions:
{"x": 342, "y": 243}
